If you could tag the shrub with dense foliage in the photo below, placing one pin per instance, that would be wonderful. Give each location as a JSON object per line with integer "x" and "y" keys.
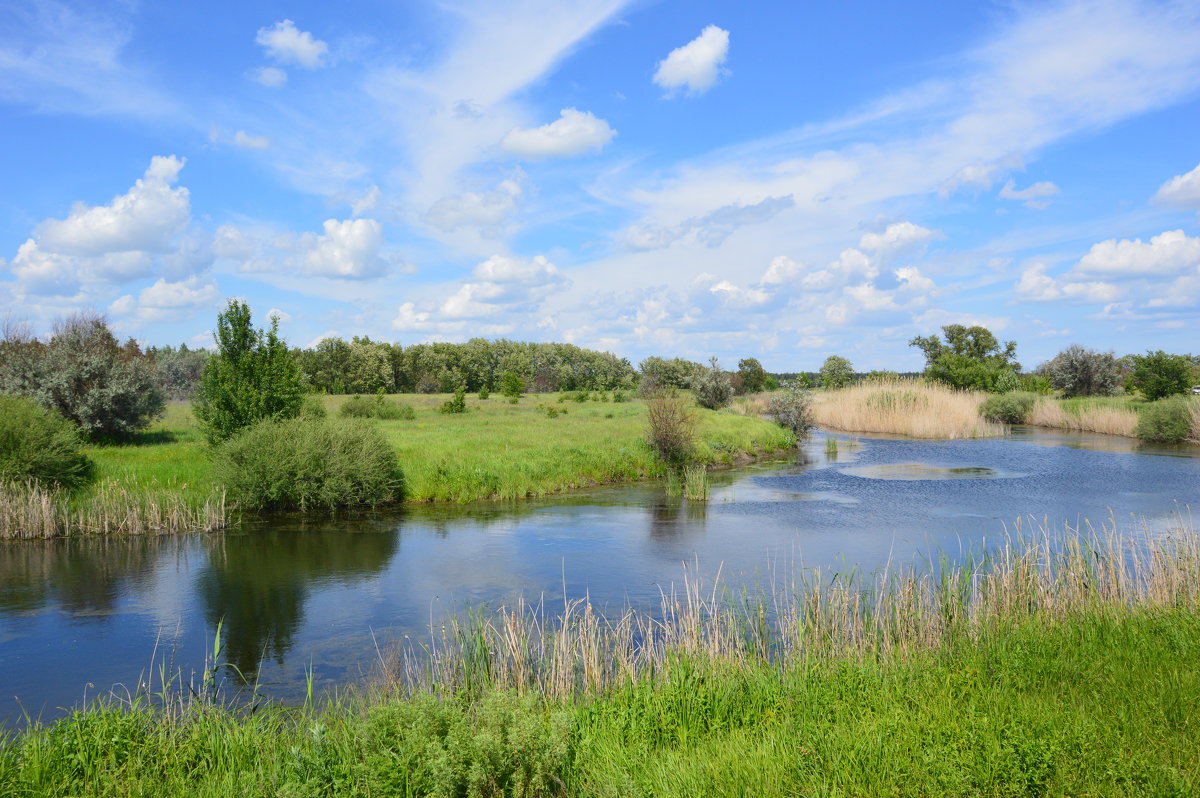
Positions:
{"x": 1077, "y": 371}
{"x": 971, "y": 358}
{"x": 378, "y": 407}
{"x": 251, "y": 377}
{"x": 110, "y": 390}
{"x": 305, "y": 463}
{"x": 1165, "y": 421}
{"x": 1009, "y": 408}
{"x": 671, "y": 432}
{"x": 39, "y": 445}
{"x": 836, "y": 372}
{"x": 792, "y": 409}
{"x": 1158, "y": 374}
{"x": 179, "y": 369}
{"x": 754, "y": 376}
{"x": 456, "y": 403}
{"x": 659, "y": 374}
{"x": 712, "y": 387}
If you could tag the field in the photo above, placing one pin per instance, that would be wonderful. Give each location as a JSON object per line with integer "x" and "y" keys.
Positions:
{"x": 1043, "y": 670}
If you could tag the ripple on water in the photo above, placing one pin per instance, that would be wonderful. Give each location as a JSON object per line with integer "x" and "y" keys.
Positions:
{"x": 923, "y": 471}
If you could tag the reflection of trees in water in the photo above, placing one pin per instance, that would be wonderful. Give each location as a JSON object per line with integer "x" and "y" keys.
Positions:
{"x": 83, "y": 575}
{"x": 675, "y": 517}
{"x": 257, "y": 583}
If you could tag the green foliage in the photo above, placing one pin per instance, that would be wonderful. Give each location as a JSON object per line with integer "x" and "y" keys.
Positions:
{"x": 881, "y": 375}
{"x": 1008, "y": 408}
{"x": 1166, "y": 420}
{"x": 511, "y": 385}
{"x": 1077, "y": 371}
{"x": 792, "y": 410}
{"x": 1158, "y": 374}
{"x": 484, "y": 393}
{"x": 712, "y": 386}
{"x": 620, "y": 396}
{"x": 754, "y": 376}
{"x": 251, "y": 377}
{"x": 836, "y": 372}
{"x": 970, "y": 358}
{"x": 313, "y": 407}
{"x": 1036, "y": 383}
{"x": 770, "y": 383}
{"x": 307, "y": 464}
{"x": 110, "y": 390}
{"x": 457, "y": 404}
{"x": 179, "y": 369}
{"x": 659, "y": 374}
{"x": 379, "y": 407}
{"x": 40, "y": 445}
{"x": 671, "y": 424}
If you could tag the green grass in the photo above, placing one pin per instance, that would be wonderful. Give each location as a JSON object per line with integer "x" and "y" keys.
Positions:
{"x": 1042, "y": 671}
{"x": 1078, "y": 405}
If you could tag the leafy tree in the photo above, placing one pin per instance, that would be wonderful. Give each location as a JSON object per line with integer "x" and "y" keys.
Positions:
{"x": 754, "y": 376}
{"x": 1158, "y": 374}
{"x": 713, "y": 387}
{"x": 511, "y": 385}
{"x": 836, "y": 372}
{"x": 179, "y": 369}
{"x": 110, "y": 390}
{"x": 251, "y": 377}
{"x": 1082, "y": 372}
{"x": 661, "y": 374}
{"x": 970, "y": 358}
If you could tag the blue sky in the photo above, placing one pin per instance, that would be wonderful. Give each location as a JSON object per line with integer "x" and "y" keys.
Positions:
{"x": 778, "y": 180}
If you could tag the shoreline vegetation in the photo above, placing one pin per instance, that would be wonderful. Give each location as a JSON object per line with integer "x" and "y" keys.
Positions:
{"x": 1063, "y": 662}
{"x": 162, "y": 481}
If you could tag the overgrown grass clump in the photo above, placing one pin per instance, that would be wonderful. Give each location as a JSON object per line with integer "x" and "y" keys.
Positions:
{"x": 378, "y": 407}
{"x": 1014, "y": 407}
{"x": 1049, "y": 668}
{"x": 904, "y": 407}
{"x": 39, "y": 445}
{"x": 1166, "y": 420}
{"x": 307, "y": 464}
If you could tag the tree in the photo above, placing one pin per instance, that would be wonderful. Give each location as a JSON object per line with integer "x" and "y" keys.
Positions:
{"x": 660, "y": 374}
{"x": 836, "y": 372}
{"x": 970, "y": 358}
{"x": 179, "y": 369}
{"x": 754, "y": 376}
{"x": 251, "y": 377}
{"x": 712, "y": 386}
{"x": 1158, "y": 374}
{"x": 1082, "y": 372}
{"x": 108, "y": 389}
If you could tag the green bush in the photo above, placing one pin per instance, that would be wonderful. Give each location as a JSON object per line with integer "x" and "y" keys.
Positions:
{"x": 1008, "y": 408}
{"x": 458, "y": 404}
{"x": 313, "y": 407}
{"x": 40, "y": 445}
{"x": 1165, "y": 421}
{"x": 306, "y": 463}
{"x": 792, "y": 409}
{"x": 362, "y": 407}
{"x": 712, "y": 386}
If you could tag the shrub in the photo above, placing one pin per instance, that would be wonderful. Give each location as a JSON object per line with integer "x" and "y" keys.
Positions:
{"x": 712, "y": 386}
{"x": 484, "y": 393}
{"x": 1036, "y": 383}
{"x": 252, "y": 377}
{"x": 836, "y": 372}
{"x": 379, "y": 407}
{"x": 1008, "y": 408}
{"x": 792, "y": 410}
{"x": 457, "y": 404}
{"x": 40, "y": 445}
{"x": 306, "y": 463}
{"x": 1157, "y": 374}
{"x": 511, "y": 385}
{"x": 620, "y": 396}
{"x": 754, "y": 376}
{"x": 672, "y": 426}
{"x": 313, "y": 407}
{"x": 1165, "y": 421}
{"x": 1082, "y": 372}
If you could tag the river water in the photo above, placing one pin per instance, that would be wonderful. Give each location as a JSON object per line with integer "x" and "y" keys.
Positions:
{"x": 326, "y": 596}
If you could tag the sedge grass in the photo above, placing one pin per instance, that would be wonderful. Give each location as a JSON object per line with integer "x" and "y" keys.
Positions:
{"x": 1055, "y": 665}
{"x": 1108, "y": 416}
{"x": 914, "y": 408}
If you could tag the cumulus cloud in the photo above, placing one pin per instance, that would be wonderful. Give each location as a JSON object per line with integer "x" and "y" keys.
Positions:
{"x": 696, "y": 64}
{"x": 287, "y": 44}
{"x": 1170, "y": 252}
{"x": 1033, "y": 196}
{"x": 504, "y": 283}
{"x": 1035, "y": 285}
{"x": 1181, "y": 191}
{"x": 573, "y": 133}
{"x": 973, "y": 177}
{"x": 246, "y": 141}
{"x": 271, "y": 77}
{"x": 897, "y": 238}
{"x": 348, "y": 249}
{"x": 145, "y": 218}
{"x": 166, "y": 301}
{"x": 475, "y": 209}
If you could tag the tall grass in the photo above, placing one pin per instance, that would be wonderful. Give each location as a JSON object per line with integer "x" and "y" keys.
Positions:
{"x": 904, "y": 407}
{"x": 1106, "y": 417}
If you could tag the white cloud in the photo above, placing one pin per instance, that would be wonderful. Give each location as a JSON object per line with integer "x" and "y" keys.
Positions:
{"x": 1035, "y": 285}
{"x": 1170, "y": 252}
{"x": 365, "y": 202}
{"x": 271, "y": 77}
{"x": 973, "y": 177}
{"x": 186, "y": 293}
{"x": 476, "y": 209}
{"x": 502, "y": 283}
{"x": 1181, "y": 191}
{"x": 283, "y": 316}
{"x": 348, "y": 249}
{"x": 409, "y": 318}
{"x": 710, "y": 229}
{"x": 1032, "y": 196}
{"x": 246, "y": 141}
{"x": 896, "y": 239}
{"x": 696, "y": 64}
{"x": 145, "y": 218}
{"x": 289, "y": 45}
{"x": 573, "y": 133}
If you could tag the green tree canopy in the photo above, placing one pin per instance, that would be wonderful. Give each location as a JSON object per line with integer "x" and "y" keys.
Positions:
{"x": 836, "y": 372}
{"x": 969, "y": 358}
{"x": 754, "y": 376}
{"x": 1158, "y": 374}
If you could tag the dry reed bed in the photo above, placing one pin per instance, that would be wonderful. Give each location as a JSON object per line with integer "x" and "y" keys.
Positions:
{"x": 1044, "y": 577}
{"x": 905, "y": 407}
{"x": 1105, "y": 420}
{"x": 29, "y": 511}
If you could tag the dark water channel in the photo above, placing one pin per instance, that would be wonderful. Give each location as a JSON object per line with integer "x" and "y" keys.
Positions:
{"x": 77, "y": 617}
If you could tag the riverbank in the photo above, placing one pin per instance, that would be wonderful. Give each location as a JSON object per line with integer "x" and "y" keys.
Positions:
{"x": 1047, "y": 668}
{"x": 162, "y": 482}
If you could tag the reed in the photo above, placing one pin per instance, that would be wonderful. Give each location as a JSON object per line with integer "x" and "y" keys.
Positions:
{"x": 904, "y": 407}
{"x": 114, "y": 507}
{"x": 695, "y": 483}
{"x": 1101, "y": 417}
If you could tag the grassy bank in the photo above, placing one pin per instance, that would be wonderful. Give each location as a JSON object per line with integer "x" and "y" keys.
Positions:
{"x": 1043, "y": 670}
{"x": 162, "y": 481}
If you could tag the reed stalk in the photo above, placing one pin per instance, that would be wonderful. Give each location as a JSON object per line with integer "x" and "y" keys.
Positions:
{"x": 904, "y": 407}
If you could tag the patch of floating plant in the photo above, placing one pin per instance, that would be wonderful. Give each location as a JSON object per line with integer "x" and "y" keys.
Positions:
{"x": 922, "y": 471}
